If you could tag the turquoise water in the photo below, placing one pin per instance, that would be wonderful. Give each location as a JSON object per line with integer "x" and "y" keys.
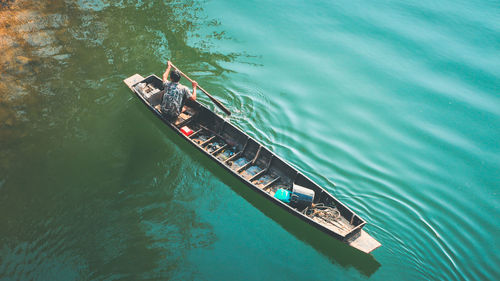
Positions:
{"x": 393, "y": 106}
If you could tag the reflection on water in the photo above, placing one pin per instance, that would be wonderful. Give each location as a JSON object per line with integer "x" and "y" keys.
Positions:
{"x": 54, "y": 51}
{"x": 78, "y": 205}
{"x": 21, "y": 32}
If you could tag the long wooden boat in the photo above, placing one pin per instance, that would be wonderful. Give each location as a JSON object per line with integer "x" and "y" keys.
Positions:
{"x": 255, "y": 165}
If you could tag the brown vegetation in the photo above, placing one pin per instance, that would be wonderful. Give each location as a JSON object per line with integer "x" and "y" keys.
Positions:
{"x": 24, "y": 33}
{"x": 15, "y": 23}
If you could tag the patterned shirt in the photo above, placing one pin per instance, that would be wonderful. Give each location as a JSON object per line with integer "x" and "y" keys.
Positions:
{"x": 173, "y": 99}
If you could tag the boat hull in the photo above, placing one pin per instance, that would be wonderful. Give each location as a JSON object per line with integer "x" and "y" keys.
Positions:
{"x": 356, "y": 238}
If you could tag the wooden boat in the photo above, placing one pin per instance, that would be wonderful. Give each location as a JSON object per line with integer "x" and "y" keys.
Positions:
{"x": 255, "y": 165}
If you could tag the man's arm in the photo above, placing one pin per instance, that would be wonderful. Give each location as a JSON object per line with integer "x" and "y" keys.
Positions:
{"x": 165, "y": 75}
{"x": 193, "y": 95}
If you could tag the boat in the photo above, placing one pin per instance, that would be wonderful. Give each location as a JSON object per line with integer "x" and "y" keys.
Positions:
{"x": 256, "y": 166}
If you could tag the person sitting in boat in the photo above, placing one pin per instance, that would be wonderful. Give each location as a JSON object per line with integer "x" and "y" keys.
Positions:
{"x": 175, "y": 94}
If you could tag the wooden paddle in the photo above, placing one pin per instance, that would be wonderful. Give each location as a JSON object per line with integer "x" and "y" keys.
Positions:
{"x": 214, "y": 100}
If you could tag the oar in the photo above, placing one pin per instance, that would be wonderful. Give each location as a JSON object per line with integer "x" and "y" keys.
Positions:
{"x": 214, "y": 100}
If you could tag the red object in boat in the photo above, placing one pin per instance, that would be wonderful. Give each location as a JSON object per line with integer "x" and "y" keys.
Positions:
{"x": 186, "y": 131}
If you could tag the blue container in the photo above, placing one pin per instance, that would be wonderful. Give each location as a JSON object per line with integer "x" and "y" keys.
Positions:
{"x": 283, "y": 195}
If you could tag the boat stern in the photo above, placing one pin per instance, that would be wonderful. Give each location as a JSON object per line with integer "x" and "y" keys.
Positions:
{"x": 363, "y": 242}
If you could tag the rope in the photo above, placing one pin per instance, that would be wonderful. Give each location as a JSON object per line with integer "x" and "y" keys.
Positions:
{"x": 320, "y": 210}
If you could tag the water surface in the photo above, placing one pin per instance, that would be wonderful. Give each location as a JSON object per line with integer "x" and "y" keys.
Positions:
{"x": 392, "y": 106}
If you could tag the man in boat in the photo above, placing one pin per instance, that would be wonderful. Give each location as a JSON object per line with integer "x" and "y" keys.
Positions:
{"x": 175, "y": 94}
